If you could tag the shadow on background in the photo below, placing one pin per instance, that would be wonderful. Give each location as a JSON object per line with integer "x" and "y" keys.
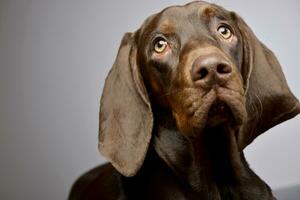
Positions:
{"x": 288, "y": 193}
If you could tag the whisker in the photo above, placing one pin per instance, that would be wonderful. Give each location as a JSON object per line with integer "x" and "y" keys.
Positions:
{"x": 169, "y": 93}
{"x": 260, "y": 110}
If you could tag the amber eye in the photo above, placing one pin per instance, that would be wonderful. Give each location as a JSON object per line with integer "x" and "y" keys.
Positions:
{"x": 225, "y": 32}
{"x": 160, "y": 45}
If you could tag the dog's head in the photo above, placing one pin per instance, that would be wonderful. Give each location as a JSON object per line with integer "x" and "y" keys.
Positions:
{"x": 202, "y": 64}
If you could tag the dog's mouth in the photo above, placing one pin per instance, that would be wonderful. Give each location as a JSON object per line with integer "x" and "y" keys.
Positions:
{"x": 228, "y": 107}
{"x": 218, "y": 106}
{"x": 218, "y": 113}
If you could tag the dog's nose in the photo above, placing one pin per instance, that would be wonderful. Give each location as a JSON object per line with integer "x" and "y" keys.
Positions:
{"x": 211, "y": 69}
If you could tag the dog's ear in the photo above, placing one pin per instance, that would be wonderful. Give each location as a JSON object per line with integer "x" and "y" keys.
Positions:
{"x": 269, "y": 100}
{"x": 126, "y": 118}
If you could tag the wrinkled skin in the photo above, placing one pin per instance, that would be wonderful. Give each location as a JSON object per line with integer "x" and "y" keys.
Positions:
{"x": 179, "y": 102}
{"x": 168, "y": 74}
{"x": 174, "y": 123}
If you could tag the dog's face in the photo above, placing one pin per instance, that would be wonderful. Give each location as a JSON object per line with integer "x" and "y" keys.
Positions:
{"x": 203, "y": 65}
{"x": 191, "y": 60}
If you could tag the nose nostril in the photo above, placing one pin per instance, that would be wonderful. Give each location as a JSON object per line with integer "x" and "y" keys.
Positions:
{"x": 223, "y": 69}
{"x": 202, "y": 73}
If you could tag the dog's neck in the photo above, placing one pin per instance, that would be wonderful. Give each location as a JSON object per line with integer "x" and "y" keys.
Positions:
{"x": 205, "y": 162}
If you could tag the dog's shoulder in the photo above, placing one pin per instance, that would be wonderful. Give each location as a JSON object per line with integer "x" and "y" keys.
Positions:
{"x": 102, "y": 182}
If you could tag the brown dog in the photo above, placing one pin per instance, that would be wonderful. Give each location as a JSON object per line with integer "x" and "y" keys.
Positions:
{"x": 188, "y": 92}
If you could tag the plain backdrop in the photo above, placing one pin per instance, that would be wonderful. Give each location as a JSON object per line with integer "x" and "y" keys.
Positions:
{"x": 54, "y": 57}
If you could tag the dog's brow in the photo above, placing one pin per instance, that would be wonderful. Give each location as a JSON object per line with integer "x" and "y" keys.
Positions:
{"x": 207, "y": 11}
{"x": 167, "y": 26}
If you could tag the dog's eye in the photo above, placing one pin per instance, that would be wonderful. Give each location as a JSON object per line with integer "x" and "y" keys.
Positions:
{"x": 225, "y": 32}
{"x": 160, "y": 45}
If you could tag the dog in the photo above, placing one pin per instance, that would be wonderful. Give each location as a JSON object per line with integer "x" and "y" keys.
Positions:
{"x": 188, "y": 91}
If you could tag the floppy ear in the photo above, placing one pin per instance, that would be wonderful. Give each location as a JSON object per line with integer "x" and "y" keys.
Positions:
{"x": 126, "y": 119}
{"x": 269, "y": 100}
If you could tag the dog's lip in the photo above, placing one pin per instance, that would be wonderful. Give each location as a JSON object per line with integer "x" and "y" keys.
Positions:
{"x": 218, "y": 107}
{"x": 218, "y": 113}
{"x": 221, "y": 105}
{"x": 235, "y": 102}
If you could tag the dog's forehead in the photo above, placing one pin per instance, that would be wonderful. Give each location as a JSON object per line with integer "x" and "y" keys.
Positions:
{"x": 173, "y": 18}
{"x": 196, "y": 7}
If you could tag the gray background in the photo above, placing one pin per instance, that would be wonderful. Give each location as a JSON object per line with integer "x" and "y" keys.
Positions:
{"x": 54, "y": 56}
